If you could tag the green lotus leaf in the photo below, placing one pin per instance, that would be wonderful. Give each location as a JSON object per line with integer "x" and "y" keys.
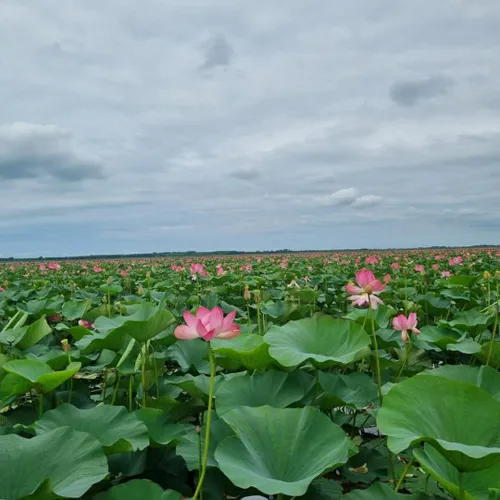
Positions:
{"x": 476, "y": 484}
{"x": 146, "y": 322}
{"x": 483, "y": 376}
{"x": 138, "y": 489}
{"x": 382, "y": 491}
{"x": 357, "y": 390}
{"x": 273, "y": 388}
{"x": 189, "y": 446}
{"x": 75, "y": 309}
{"x": 322, "y": 340}
{"x": 465, "y": 346}
{"x": 161, "y": 430}
{"x": 414, "y": 411}
{"x": 193, "y": 354}
{"x": 34, "y": 374}
{"x": 113, "y": 426}
{"x": 248, "y": 350}
{"x": 63, "y": 462}
{"x": 281, "y": 450}
{"x": 26, "y": 336}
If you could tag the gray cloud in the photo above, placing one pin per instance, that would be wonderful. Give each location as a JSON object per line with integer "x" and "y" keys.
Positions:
{"x": 410, "y": 93}
{"x": 246, "y": 174}
{"x": 217, "y": 52}
{"x": 29, "y": 151}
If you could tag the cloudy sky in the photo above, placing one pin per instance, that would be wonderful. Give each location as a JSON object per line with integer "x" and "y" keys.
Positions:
{"x": 130, "y": 126}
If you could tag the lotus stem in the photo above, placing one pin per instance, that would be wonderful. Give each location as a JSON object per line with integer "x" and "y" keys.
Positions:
{"x": 461, "y": 484}
{"x": 40, "y": 405}
{"x": 208, "y": 423}
{"x": 403, "y": 475}
{"x": 492, "y": 341}
{"x": 377, "y": 360}
{"x": 143, "y": 375}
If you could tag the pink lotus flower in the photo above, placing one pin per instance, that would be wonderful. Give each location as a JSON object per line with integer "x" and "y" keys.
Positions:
{"x": 387, "y": 278}
{"x": 42, "y": 267}
{"x": 85, "y": 323}
{"x": 220, "y": 271}
{"x": 2, "y": 289}
{"x": 198, "y": 269}
{"x": 371, "y": 260}
{"x": 406, "y": 324}
{"x": 283, "y": 264}
{"x": 367, "y": 291}
{"x": 247, "y": 268}
{"x": 208, "y": 325}
{"x": 98, "y": 269}
{"x": 395, "y": 265}
{"x": 54, "y": 318}
{"x": 455, "y": 261}
{"x": 123, "y": 273}
{"x": 54, "y": 266}
{"x": 445, "y": 274}
{"x": 435, "y": 267}
{"x": 419, "y": 268}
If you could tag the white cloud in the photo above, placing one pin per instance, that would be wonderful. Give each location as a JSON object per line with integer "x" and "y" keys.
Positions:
{"x": 366, "y": 201}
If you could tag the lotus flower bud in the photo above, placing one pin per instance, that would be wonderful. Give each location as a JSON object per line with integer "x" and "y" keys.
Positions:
{"x": 65, "y": 345}
{"x": 246, "y": 293}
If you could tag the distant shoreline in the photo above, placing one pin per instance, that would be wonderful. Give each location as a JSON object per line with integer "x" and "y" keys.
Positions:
{"x": 229, "y": 253}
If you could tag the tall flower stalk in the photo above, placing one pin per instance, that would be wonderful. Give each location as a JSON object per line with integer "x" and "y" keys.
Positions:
{"x": 207, "y": 325}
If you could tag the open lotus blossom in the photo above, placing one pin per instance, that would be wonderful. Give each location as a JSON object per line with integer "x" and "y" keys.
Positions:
{"x": 445, "y": 274}
{"x": 85, "y": 323}
{"x": 387, "y": 278}
{"x": 220, "y": 271}
{"x": 98, "y": 269}
{"x": 435, "y": 267}
{"x": 198, "y": 269}
{"x": 367, "y": 291}
{"x": 405, "y": 325}
{"x": 455, "y": 261}
{"x": 54, "y": 266}
{"x": 419, "y": 268}
{"x": 2, "y": 289}
{"x": 395, "y": 265}
{"x": 208, "y": 324}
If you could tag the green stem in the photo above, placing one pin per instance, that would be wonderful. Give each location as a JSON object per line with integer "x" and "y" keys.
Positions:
{"x": 104, "y": 386}
{"x": 130, "y": 393}
{"x": 143, "y": 375}
{"x": 117, "y": 385}
{"x": 405, "y": 361}
{"x": 492, "y": 341}
{"x": 403, "y": 475}
{"x": 316, "y": 387}
{"x": 377, "y": 360}
{"x": 461, "y": 484}
{"x": 379, "y": 385}
{"x": 208, "y": 423}
{"x": 40, "y": 405}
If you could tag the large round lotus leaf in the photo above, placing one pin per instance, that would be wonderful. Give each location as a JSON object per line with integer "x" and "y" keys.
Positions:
{"x": 476, "y": 484}
{"x": 382, "y": 491}
{"x": 37, "y": 374}
{"x": 138, "y": 489}
{"x": 189, "y": 446}
{"x": 280, "y": 450}
{"x": 248, "y": 350}
{"x": 146, "y": 322}
{"x": 357, "y": 390}
{"x": 322, "y": 340}
{"x": 483, "y": 376}
{"x": 459, "y": 419}
{"x": 64, "y": 461}
{"x": 161, "y": 430}
{"x": 115, "y": 428}
{"x": 273, "y": 388}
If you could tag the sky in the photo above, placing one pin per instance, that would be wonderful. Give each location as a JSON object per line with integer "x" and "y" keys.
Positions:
{"x": 154, "y": 126}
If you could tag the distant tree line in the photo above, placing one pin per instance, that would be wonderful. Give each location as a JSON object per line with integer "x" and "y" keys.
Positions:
{"x": 193, "y": 253}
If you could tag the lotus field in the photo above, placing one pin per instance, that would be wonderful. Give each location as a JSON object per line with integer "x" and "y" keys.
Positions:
{"x": 356, "y": 375}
